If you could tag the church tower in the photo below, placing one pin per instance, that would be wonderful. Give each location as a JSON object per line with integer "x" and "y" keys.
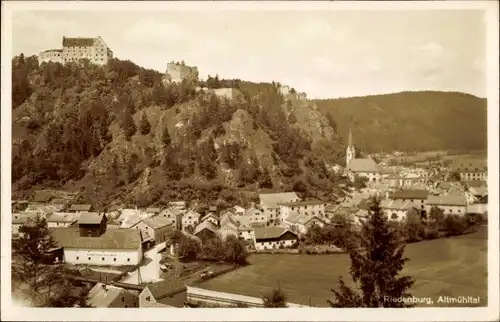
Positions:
{"x": 350, "y": 152}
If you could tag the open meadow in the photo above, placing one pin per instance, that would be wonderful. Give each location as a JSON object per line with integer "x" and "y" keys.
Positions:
{"x": 455, "y": 266}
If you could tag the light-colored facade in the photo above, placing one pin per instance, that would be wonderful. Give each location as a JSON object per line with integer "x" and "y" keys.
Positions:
{"x": 93, "y": 49}
{"x": 270, "y": 205}
{"x": 308, "y": 208}
{"x": 274, "y": 238}
{"x": 103, "y": 257}
{"x": 191, "y": 218}
{"x": 51, "y": 55}
{"x": 300, "y": 223}
{"x": 177, "y": 72}
{"x": 109, "y": 296}
{"x": 450, "y": 204}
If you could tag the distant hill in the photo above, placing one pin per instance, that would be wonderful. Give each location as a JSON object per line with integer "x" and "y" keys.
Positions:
{"x": 411, "y": 121}
{"x": 116, "y": 134}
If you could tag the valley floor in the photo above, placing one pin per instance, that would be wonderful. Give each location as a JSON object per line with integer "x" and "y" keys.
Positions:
{"x": 454, "y": 267}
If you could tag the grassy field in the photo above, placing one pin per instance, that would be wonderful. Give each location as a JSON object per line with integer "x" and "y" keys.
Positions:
{"x": 445, "y": 267}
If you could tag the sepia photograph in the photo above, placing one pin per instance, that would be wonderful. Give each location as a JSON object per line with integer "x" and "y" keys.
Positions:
{"x": 230, "y": 155}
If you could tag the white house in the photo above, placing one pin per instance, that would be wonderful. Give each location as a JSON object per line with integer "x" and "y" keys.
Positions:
{"x": 396, "y": 210}
{"x": 239, "y": 210}
{"x": 91, "y": 244}
{"x": 110, "y": 296}
{"x": 211, "y": 217}
{"x": 62, "y": 219}
{"x": 274, "y": 238}
{"x": 450, "y": 204}
{"x": 245, "y": 229}
{"x": 190, "y": 219}
{"x": 269, "y": 204}
{"x": 156, "y": 229}
{"x": 300, "y": 223}
{"x": 256, "y": 215}
{"x": 308, "y": 208}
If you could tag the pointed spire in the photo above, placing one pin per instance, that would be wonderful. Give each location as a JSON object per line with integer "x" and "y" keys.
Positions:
{"x": 349, "y": 142}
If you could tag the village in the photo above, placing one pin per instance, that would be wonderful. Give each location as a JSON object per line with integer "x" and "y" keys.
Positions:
{"x": 133, "y": 253}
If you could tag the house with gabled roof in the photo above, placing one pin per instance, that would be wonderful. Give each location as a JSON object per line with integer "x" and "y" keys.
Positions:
{"x": 239, "y": 210}
{"x": 62, "y": 219}
{"x": 80, "y": 208}
{"x": 167, "y": 293}
{"x": 450, "y": 204}
{"x": 190, "y": 219}
{"x": 155, "y": 229}
{"x": 91, "y": 243}
{"x": 306, "y": 207}
{"x": 110, "y": 296}
{"x": 212, "y": 217}
{"x": 270, "y": 204}
{"x": 273, "y": 238}
{"x": 396, "y": 210}
{"x": 471, "y": 169}
{"x": 300, "y": 223}
{"x": 205, "y": 230}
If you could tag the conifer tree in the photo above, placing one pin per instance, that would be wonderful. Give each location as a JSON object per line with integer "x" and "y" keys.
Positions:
{"x": 31, "y": 266}
{"x": 144, "y": 126}
{"x": 275, "y": 298}
{"x": 165, "y": 138}
{"x": 128, "y": 124}
{"x": 375, "y": 267}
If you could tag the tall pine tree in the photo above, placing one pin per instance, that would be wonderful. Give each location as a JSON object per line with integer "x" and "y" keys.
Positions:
{"x": 144, "y": 126}
{"x": 33, "y": 271}
{"x": 128, "y": 124}
{"x": 375, "y": 267}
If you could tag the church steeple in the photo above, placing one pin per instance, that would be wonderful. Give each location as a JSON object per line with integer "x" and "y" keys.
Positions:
{"x": 350, "y": 151}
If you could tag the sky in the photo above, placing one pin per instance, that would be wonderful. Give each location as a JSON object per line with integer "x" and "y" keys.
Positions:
{"x": 327, "y": 54}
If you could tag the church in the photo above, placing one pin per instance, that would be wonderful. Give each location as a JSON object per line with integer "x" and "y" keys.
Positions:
{"x": 360, "y": 167}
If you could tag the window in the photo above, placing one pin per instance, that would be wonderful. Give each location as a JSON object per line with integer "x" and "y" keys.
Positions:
{"x": 126, "y": 305}
{"x": 114, "y": 259}
{"x": 128, "y": 259}
{"x": 394, "y": 216}
{"x": 148, "y": 298}
{"x": 102, "y": 258}
{"x": 77, "y": 258}
{"x": 90, "y": 258}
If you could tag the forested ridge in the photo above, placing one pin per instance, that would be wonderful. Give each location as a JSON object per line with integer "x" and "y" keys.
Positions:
{"x": 117, "y": 133}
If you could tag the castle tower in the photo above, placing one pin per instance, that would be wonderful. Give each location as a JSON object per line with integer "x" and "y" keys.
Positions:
{"x": 350, "y": 152}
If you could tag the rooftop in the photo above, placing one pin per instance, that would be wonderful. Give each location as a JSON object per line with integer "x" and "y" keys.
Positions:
{"x": 90, "y": 218}
{"x": 470, "y": 166}
{"x": 100, "y": 296}
{"x": 81, "y": 207}
{"x": 397, "y": 204}
{"x": 363, "y": 165}
{"x": 157, "y": 222}
{"x": 271, "y": 200}
{"x": 111, "y": 239}
{"x": 303, "y": 203}
{"x": 205, "y": 225}
{"x": 63, "y": 217}
{"x": 447, "y": 200}
{"x": 410, "y": 194}
{"x": 269, "y": 232}
{"x": 166, "y": 288}
{"x": 78, "y": 42}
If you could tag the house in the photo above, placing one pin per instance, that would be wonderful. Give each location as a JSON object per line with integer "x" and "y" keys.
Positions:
{"x": 80, "y": 208}
{"x": 93, "y": 49}
{"x": 396, "y": 210}
{"x": 229, "y": 228}
{"x": 360, "y": 167}
{"x": 91, "y": 243}
{"x": 212, "y": 217}
{"x": 190, "y": 219}
{"x": 174, "y": 215}
{"x": 416, "y": 196}
{"x": 274, "y": 238}
{"x": 308, "y": 208}
{"x": 130, "y": 217}
{"x": 62, "y": 219}
{"x": 450, "y": 204}
{"x": 471, "y": 170}
{"x": 169, "y": 293}
{"x": 205, "y": 230}
{"x": 239, "y": 210}
{"x": 228, "y": 216}
{"x": 300, "y": 223}
{"x": 256, "y": 215}
{"x": 156, "y": 229}
{"x": 43, "y": 210}
{"x": 270, "y": 204}
{"x": 245, "y": 229}
{"x": 110, "y": 296}
{"x": 20, "y": 219}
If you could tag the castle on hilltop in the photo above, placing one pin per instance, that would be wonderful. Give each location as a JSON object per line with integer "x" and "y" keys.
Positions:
{"x": 177, "y": 72}
{"x": 74, "y": 49}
